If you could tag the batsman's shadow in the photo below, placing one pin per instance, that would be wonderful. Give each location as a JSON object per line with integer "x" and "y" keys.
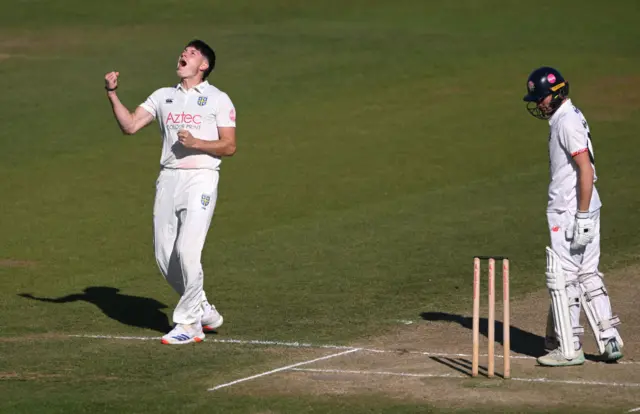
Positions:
{"x": 130, "y": 310}
{"x": 522, "y": 342}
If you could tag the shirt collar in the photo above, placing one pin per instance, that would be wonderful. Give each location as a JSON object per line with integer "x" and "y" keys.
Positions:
{"x": 562, "y": 109}
{"x": 198, "y": 88}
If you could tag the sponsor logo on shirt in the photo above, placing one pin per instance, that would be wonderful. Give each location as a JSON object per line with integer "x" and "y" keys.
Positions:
{"x": 169, "y": 101}
{"x": 182, "y": 120}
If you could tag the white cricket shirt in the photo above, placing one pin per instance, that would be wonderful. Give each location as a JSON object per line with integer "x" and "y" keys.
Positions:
{"x": 569, "y": 135}
{"x": 199, "y": 110}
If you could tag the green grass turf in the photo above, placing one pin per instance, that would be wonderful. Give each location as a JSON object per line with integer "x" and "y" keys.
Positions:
{"x": 381, "y": 146}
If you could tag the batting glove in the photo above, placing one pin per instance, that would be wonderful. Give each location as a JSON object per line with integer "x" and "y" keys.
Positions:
{"x": 583, "y": 230}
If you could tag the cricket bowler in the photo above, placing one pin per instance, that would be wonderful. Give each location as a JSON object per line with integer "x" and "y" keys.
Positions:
{"x": 197, "y": 122}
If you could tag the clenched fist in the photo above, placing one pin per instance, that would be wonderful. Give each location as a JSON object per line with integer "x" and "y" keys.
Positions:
{"x": 111, "y": 81}
{"x": 187, "y": 140}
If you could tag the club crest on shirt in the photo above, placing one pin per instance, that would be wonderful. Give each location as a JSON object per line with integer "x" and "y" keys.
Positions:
{"x": 205, "y": 200}
{"x": 202, "y": 101}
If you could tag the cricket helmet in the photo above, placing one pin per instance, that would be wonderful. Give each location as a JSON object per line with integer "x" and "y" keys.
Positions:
{"x": 541, "y": 83}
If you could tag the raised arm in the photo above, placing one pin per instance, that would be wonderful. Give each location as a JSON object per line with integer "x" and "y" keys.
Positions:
{"x": 63, "y": 299}
{"x": 129, "y": 123}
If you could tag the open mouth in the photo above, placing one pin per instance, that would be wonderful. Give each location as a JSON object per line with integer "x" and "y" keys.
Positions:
{"x": 182, "y": 63}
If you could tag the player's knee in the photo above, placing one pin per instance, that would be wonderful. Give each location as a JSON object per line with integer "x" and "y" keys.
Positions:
{"x": 592, "y": 285}
{"x": 187, "y": 257}
{"x": 594, "y": 279}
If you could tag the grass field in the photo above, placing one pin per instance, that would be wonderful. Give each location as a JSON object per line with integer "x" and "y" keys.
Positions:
{"x": 380, "y": 146}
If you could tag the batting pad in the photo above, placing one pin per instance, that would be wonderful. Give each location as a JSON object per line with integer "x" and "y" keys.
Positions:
{"x": 560, "y": 304}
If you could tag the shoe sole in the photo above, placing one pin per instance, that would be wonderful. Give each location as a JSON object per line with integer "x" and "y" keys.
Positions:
{"x": 212, "y": 327}
{"x": 562, "y": 364}
{"x": 611, "y": 359}
{"x": 196, "y": 339}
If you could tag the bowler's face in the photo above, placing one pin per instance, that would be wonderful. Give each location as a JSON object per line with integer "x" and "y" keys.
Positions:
{"x": 190, "y": 63}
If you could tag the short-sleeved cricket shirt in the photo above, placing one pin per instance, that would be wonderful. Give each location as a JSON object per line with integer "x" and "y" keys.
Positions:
{"x": 199, "y": 110}
{"x": 569, "y": 136}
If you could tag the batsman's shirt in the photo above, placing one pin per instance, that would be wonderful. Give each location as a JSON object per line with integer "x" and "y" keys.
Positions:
{"x": 569, "y": 136}
{"x": 199, "y": 110}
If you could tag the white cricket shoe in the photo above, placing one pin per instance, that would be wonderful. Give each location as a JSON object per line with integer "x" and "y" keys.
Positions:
{"x": 612, "y": 351}
{"x": 211, "y": 319}
{"x": 184, "y": 334}
{"x": 556, "y": 358}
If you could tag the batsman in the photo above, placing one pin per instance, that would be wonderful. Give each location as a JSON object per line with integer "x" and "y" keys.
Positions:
{"x": 573, "y": 216}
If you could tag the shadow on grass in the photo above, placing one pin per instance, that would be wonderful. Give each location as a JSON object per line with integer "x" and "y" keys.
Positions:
{"x": 522, "y": 342}
{"x": 127, "y": 309}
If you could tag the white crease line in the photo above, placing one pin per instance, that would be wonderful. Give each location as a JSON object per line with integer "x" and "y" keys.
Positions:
{"x": 397, "y": 374}
{"x": 284, "y": 368}
{"x": 576, "y": 382}
{"x": 278, "y": 343}
{"x": 443, "y": 354}
{"x": 310, "y": 345}
{"x": 131, "y": 338}
{"x": 298, "y": 345}
{"x": 224, "y": 341}
{"x": 634, "y": 410}
{"x": 540, "y": 380}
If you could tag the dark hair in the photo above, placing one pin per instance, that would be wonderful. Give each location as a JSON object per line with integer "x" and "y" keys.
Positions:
{"x": 207, "y": 52}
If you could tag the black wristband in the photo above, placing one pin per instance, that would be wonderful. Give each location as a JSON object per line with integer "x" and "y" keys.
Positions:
{"x": 110, "y": 90}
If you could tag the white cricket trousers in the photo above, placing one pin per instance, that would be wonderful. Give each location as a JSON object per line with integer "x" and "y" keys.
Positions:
{"x": 182, "y": 212}
{"x": 577, "y": 263}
